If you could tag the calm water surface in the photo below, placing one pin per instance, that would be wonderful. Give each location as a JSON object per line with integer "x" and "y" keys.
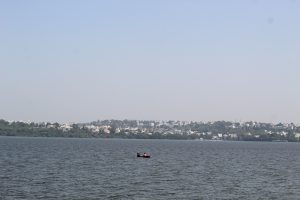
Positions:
{"x": 61, "y": 168}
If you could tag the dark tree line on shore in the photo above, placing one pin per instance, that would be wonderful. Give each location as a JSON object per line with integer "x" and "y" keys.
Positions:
{"x": 220, "y": 130}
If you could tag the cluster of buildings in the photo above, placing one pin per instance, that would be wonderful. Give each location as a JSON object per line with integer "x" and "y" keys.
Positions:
{"x": 219, "y": 130}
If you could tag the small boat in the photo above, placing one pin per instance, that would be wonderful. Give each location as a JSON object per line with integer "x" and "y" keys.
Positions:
{"x": 144, "y": 155}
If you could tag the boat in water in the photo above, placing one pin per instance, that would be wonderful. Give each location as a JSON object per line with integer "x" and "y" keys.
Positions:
{"x": 144, "y": 155}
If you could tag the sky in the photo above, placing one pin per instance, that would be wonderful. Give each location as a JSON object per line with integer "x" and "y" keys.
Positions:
{"x": 80, "y": 61}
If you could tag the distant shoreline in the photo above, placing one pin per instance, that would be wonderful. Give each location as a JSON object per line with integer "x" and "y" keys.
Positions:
{"x": 119, "y": 138}
{"x": 175, "y": 130}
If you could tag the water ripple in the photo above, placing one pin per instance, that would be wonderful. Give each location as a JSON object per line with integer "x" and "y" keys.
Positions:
{"x": 58, "y": 168}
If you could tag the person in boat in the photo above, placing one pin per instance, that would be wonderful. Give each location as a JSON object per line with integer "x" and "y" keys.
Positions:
{"x": 145, "y": 154}
{"x": 138, "y": 154}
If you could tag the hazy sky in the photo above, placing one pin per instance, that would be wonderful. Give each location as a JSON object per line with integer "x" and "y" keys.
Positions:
{"x": 78, "y": 61}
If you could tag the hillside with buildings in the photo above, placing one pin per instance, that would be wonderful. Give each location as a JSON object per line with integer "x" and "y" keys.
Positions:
{"x": 219, "y": 130}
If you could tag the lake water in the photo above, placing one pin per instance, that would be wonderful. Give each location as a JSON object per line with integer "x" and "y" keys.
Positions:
{"x": 62, "y": 168}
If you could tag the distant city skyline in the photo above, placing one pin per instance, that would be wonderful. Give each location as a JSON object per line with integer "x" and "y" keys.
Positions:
{"x": 80, "y": 61}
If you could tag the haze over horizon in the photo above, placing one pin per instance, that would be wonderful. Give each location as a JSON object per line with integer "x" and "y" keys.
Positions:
{"x": 80, "y": 61}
